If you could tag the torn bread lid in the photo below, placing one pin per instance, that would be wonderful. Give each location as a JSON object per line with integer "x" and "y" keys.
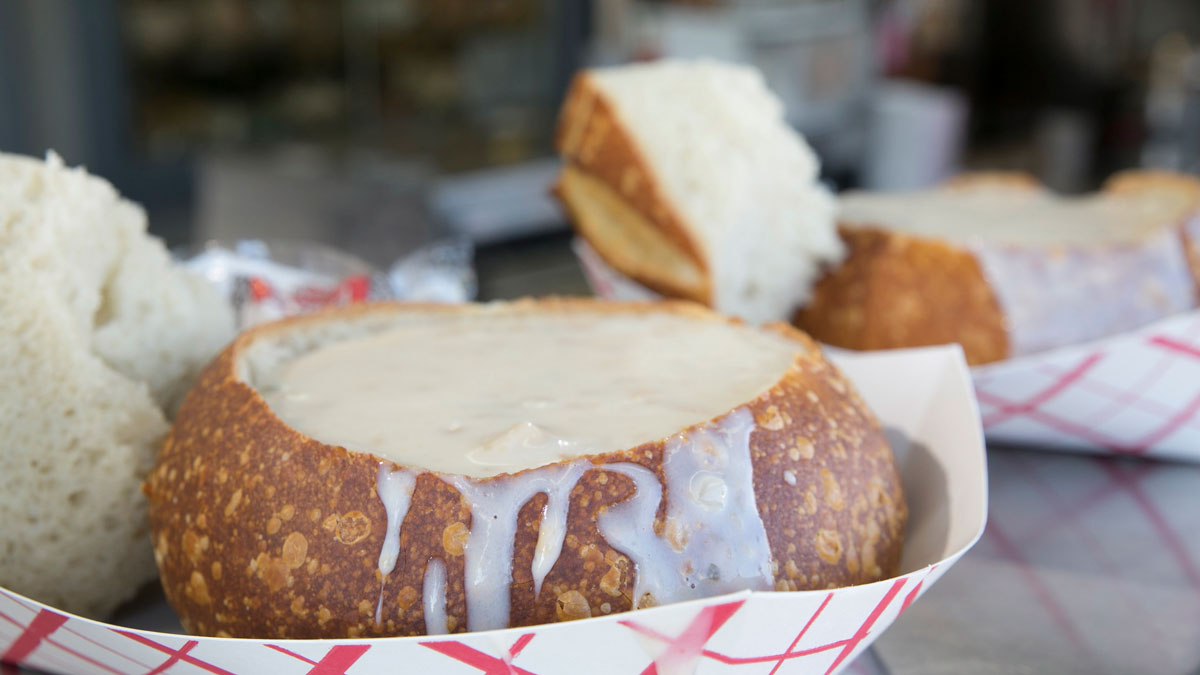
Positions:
{"x": 741, "y": 180}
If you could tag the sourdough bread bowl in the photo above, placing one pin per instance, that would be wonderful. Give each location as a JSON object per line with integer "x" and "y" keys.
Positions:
{"x": 398, "y": 469}
{"x": 1006, "y": 268}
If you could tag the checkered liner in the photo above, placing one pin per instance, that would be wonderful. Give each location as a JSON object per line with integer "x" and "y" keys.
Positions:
{"x": 750, "y": 632}
{"x": 1136, "y": 393}
{"x": 807, "y": 632}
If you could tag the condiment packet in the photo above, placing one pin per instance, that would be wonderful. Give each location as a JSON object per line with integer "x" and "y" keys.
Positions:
{"x": 268, "y": 280}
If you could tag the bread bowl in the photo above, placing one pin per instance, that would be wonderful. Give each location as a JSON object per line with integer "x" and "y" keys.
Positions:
{"x": 777, "y": 477}
{"x": 680, "y": 172}
{"x": 1005, "y": 268}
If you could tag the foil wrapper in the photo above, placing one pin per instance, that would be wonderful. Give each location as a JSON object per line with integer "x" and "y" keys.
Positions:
{"x": 268, "y": 280}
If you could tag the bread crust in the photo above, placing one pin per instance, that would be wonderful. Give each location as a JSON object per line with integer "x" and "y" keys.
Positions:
{"x": 261, "y": 531}
{"x": 592, "y": 136}
{"x": 626, "y": 240}
{"x": 896, "y": 290}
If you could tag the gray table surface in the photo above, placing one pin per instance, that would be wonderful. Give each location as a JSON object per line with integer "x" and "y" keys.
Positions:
{"x": 1088, "y": 564}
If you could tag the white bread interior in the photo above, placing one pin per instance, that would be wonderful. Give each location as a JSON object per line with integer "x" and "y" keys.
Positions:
{"x": 99, "y": 335}
{"x": 726, "y": 167}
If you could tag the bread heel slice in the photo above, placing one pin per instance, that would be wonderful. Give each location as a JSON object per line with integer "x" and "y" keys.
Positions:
{"x": 686, "y": 176}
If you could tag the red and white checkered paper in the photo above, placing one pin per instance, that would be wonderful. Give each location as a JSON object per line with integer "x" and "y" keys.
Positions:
{"x": 1136, "y": 393}
{"x": 1132, "y": 394}
{"x": 740, "y": 634}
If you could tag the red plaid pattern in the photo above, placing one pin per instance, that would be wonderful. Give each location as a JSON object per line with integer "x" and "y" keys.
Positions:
{"x": 39, "y": 637}
{"x": 1135, "y": 394}
{"x": 489, "y": 665}
{"x": 337, "y": 660}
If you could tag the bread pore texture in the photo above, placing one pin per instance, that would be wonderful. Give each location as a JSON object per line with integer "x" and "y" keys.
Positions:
{"x": 99, "y": 334}
{"x": 410, "y": 469}
{"x": 686, "y": 176}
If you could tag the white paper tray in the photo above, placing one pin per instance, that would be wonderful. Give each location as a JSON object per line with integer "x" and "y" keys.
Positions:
{"x": 924, "y": 399}
{"x": 1132, "y": 394}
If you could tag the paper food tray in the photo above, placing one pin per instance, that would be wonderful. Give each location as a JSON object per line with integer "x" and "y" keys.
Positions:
{"x": 924, "y": 399}
{"x": 1137, "y": 393}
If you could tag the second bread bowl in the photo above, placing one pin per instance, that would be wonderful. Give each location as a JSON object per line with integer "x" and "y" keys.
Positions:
{"x": 413, "y": 469}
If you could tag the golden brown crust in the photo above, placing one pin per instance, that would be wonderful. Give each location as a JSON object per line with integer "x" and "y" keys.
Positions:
{"x": 261, "y": 531}
{"x": 592, "y": 136}
{"x": 897, "y": 291}
{"x": 626, "y": 240}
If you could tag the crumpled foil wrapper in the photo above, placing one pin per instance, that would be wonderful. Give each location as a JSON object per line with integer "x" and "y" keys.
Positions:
{"x": 268, "y": 280}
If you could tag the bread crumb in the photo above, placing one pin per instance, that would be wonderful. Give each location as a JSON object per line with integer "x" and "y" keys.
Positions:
{"x": 273, "y": 571}
{"x": 234, "y": 500}
{"x": 194, "y": 545}
{"x": 833, "y": 491}
{"x": 295, "y": 550}
{"x": 454, "y": 537}
{"x": 829, "y": 545}
{"x": 572, "y": 605}
{"x": 406, "y": 597}
{"x": 770, "y": 419}
{"x": 791, "y": 569}
{"x": 353, "y": 527}
{"x": 810, "y": 501}
{"x": 197, "y": 590}
{"x": 610, "y": 583}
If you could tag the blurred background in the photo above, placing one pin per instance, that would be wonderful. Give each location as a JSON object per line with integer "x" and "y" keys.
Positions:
{"x": 377, "y": 125}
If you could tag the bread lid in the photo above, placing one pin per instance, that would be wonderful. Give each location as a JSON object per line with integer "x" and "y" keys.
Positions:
{"x": 697, "y": 156}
